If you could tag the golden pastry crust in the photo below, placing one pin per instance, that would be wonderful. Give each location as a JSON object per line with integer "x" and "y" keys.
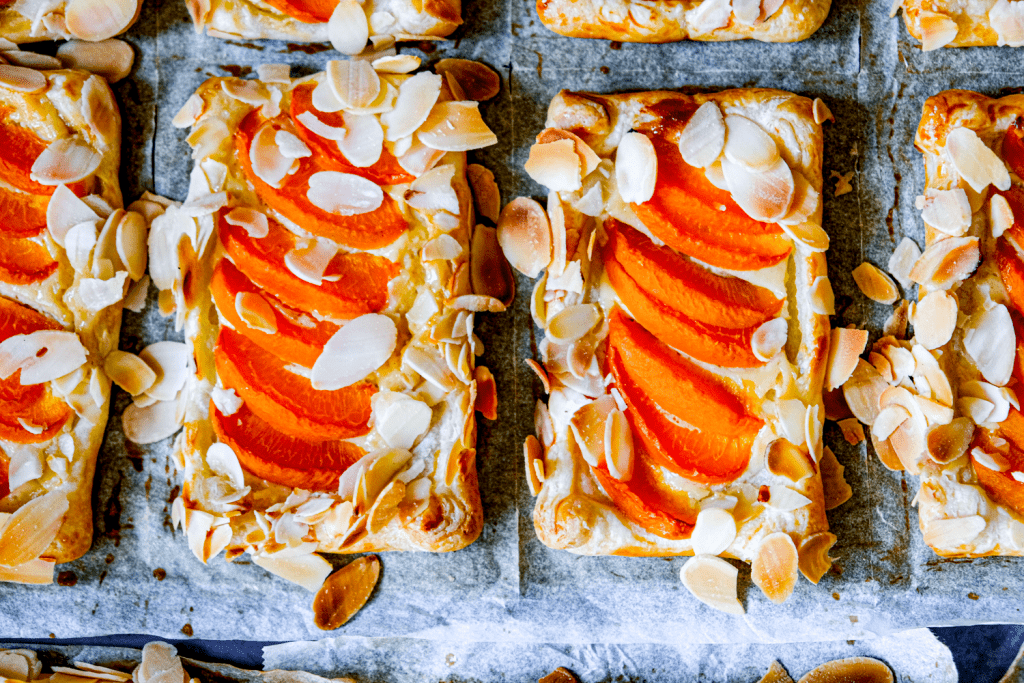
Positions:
{"x": 572, "y": 511}
{"x": 974, "y": 24}
{"x": 60, "y": 111}
{"x": 30, "y": 21}
{"x": 951, "y": 491}
{"x": 446, "y": 514}
{"x": 666, "y": 22}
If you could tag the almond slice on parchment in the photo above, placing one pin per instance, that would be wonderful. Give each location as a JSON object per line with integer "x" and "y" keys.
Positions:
{"x": 774, "y": 568}
{"x": 524, "y": 233}
{"x": 479, "y": 82}
{"x": 874, "y": 284}
{"x": 713, "y": 581}
{"x": 860, "y": 669}
{"x": 814, "y": 561}
{"x": 844, "y": 349}
{"x": 32, "y": 528}
{"x": 937, "y": 30}
{"x": 345, "y": 592}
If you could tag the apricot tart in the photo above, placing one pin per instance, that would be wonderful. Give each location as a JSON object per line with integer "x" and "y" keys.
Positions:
{"x": 946, "y": 23}
{"x": 944, "y": 404}
{"x": 26, "y": 21}
{"x": 685, "y": 307}
{"x": 323, "y": 268}
{"x": 68, "y": 255}
{"x": 349, "y": 25}
{"x": 666, "y": 21}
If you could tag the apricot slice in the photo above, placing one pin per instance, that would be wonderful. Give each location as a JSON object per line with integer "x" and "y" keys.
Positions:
{"x": 362, "y": 279}
{"x": 715, "y": 345}
{"x": 48, "y": 414}
{"x": 5, "y": 481}
{"x": 372, "y": 230}
{"x": 19, "y": 148}
{"x": 644, "y": 504}
{"x": 286, "y": 400}
{"x": 22, "y": 215}
{"x": 23, "y": 262}
{"x": 1001, "y": 486}
{"x": 385, "y": 171}
{"x": 282, "y": 459}
{"x": 18, "y": 319}
{"x": 299, "y": 338}
{"x": 694, "y": 217}
{"x": 1013, "y": 147}
{"x": 1011, "y": 271}
{"x": 306, "y": 11}
{"x": 679, "y": 283}
{"x": 679, "y": 386}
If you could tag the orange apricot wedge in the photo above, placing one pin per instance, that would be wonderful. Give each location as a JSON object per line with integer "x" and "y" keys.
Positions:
{"x": 286, "y": 400}
{"x": 23, "y": 261}
{"x": 696, "y": 218}
{"x": 306, "y": 11}
{"x": 1001, "y": 486}
{"x": 1013, "y": 147}
{"x": 679, "y": 283}
{"x": 47, "y": 415}
{"x": 299, "y": 338}
{"x": 21, "y": 214}
{"x": 385, "y": 171}
{"x": 643, "y": 503}
{"x": 362, "y": 279}
{"x": 371, "y": 230}
{"x": 1011, "y": 271}
{"x": 19, "y": 148}
{"x": 715, "y": 345}
{"x": 679, "y": 386}
{"x": 282, "y": 459}
{"x": 5, "y": 480}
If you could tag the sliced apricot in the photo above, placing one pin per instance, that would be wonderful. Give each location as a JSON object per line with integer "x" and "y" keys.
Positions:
{"x": 19, "y": 148}
{"x": 645, "y": 505}
{"x": 678, "y": 282}
{"x": 715, "y": 345}
{"x": 385, "y": 171}
{"x": 1013, "y": 147}
{"x": 23, "y": 261}
{"x": 1001, "y": 486}
{"x": 1018, "y": 331}
{"x": 18, "y": 319}
{"x": 362, "y": 279}
{"x": 1012, "y": 428}
{"x": 48, "y": 413}
{"x": 299, "y": 338}
{"x": 1011, "y": 271}
{"x": 700, "y": 456}
{"x": 282, "y": 459}
{"x": 679, "y": 386}
{"x": 22, "y": 215}
{"x": 306, "y": 11}
{"x": 286, "y": 400}
{"x": 694, "y": 217}
{"x": 372, "y": 230}
{"x": 5, "y": 481}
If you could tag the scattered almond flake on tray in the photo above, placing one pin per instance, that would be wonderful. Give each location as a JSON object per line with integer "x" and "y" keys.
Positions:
{"x": 843, "y": 185}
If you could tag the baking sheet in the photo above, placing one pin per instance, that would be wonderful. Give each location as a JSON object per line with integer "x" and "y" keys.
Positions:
{"x": 507, "y": 587}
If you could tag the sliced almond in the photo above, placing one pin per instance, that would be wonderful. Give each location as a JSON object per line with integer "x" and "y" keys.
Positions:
{"x": 990, "y": 341}
{"x": 396, "y": 64}
{"x": 345, "y": 592}
{"x": 902, "y": 261}
{"x": 431, "y": 366}
{"x": 344, "y": 194}
{"x": 785, "y": 499}
{"x": 990, "y": 393}
{"x": 713, "y": 581}
{"x": 821, "y": 297}
{"x": 713, "y": 532}
{"x": 990, "y": 461}
{"x": 636, "y": 168}
{"x": 908, "y": 442}
{"x": 256, "y": 312}
{"x": 748, "y": 144}
{"x": 784, "y": 459}
{"x": 363, "y": 141}
{"x": 532, "y": 452}
{"x": 309, "y": 262}
{"x": 977, "y": 409}
{"x": 774, "y": 568}
{"x": 946, "y": 262}
{"x": 874, "y": 284}
{"x": 805, "y": 204}
{"x": 416, "y": 98}
{"x": 358, "y": 349}
{"x": 130, "y": 241}
{"x": 588, "y": 425}
{"x": 572, "y": 322}
{"x": 974, "y": 161}
{"x": 32, "y": 528}
{"x": 947, "y": 211}
{"x": 863, "y": 391}
{"x": 618, "y": 446}
{"x": 268, "y": 163}
{"x": 764, "y": 195}
{"x": 937, "y": 30}
{"x": 769, "y": 339}
{"x": 810, "y": 235}
{"x": 556, "y": 165}
{"x": 953, "y": 533}
{"x": 486, "y": 195}
{"x": 354, "y": 82}
{"x": 489, "y": 272}
{"x": 589, "y": 161}
{"x": 1007, "y": 20}
{"x": 456, "y": 127}
{"x": 96, "y": 20}
{"x": 479, "y": 82}
{"x": 190, "y": 112}
{"x": 64, "y": 211}
{"x": 860, "y": 669}
{"x": 21, "y": 79}
{"x": 524, "y": 234}
{"x": 111, "y": 59}
{"x": 152, "y": 423}
{"x": 32, "y": 60}
{"x": 442, "y": 247}
{"x": 254, "y": 222}
{"x": 170, "y": 361}
{"x": 814, "y": 561}
{"x": 844, "y": 349}
{"x": 129, "y": 372}
{"x": 41, "y": 356}
{"x": 935, "y": 319}
{"x": 348, "y": 28}
{"x": 66, "y": 160}
{"x": 1000, "y": 215}
{"x": 703, "y": 138}
{"x": 308, "y": 571}
{"x": 401, "y": 422}
{"x": 836, "y": 490}
{"x": 821, "y": 114}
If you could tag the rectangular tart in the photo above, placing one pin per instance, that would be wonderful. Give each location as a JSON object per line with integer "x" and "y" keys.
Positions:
{"x": 685, "y": 308}
{"x": 664, "y": 21}
{"x": 68, "y": 255}
{"x": 28, "y": 21}
{"x": 320, "y": 268}
{"x": 947, "y": 23}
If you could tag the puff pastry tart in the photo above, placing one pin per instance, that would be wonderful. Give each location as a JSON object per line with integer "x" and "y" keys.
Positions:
{"x": 661, "y": 21}
{"x": 26, "y": 21}
{"x": 348, "y": 24}
{"x": 68, "y": 254}
{"x": 685, "y": 307}
{"x": 951, "y": 24}
{"x": 320, "y": 268}
{"x": 944, "y": 405}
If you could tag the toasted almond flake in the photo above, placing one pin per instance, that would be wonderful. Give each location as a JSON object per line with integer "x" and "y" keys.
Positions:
{"x": 935, "y": 319}
{"x": 1007, "y": 19}
{"x": 130, "y": 240}
{"x": 978, "y": 409}
{"x": 785, "y": 499}
{"x": 66, "y": 160}
{"x": 111, "y": 59}
{"x": 809, "y": 234}
{"x": 152, "y": 423}
{"x": 937, "y": 30}
{"x": 442, "y": 247}
{"x": 747, "y": 12}
{"x": 256, "y": 312}
{"x": 524, "y": 234}
{"x": 344, "y": 194}
{"x": 532, "y": 452}
{"x": 268, "y": 163}
{"x": 32, "y": 528}
{"x": 129, "y": 372}
{"x": 345, "y": 592}
{"x": 845, "y": 347}
{"x": 896, "y": 324}
{"x": 805, "y": 205}
{"x": 902, "y": 261}
{"x": 863, "y": 391}
{"x": 478, "y": 303}
{"x": 358, "y": 349}
{"x": 431, "y": 366}
{"x": 309, "y": 262}
{"x": 41, "y": 356}
{"x": 861, "y": 669}
{"x": 66, "y": 211}
{"x": 21, "y": 79}
{"x": 308, "y": 571}
{"x": 783, "y": 459}
{"x": 774, "y": 568}
{"x": 882, "y": 365}
{"x": 254, "y": 222}
{"x": 416, "y": 98}
{"x": 974, "y": 161}
{"x": 478, "y": 81}
{"x": 572, "y": 322}
{"x": 713, "y": 581}
{"x": 223, "y": 462}
{"x": 490, "y": 274}
{"x": 814, "y": 561}
{"x": 792, "y": 413}
{"x": 990, "y": 341}
{"x": 1000, "y": 215}
{"x": 556, "y": 165}
{"x": 274, "y": 73}
{"x": 908, "y": 442}
{"x": 401, "y": 422}
{"x": 934, "y": 412}
{"x": 991, "y": 461}
{"x": 769, "y": 339}
{"x": 820, "y": 296}
{"x": 588, "y": 426}
{"x": 396, "y": 64}
{"x": 713, "y": 532}
{"x": 348, "y": 28}
{"x": 618, "y": 446}
{"x": 290, "y": 145}
{"x": 542, "y": 375}
{"x": 96, "y": 20}
{"x": 821, "y": 114}
{"x": 874, "y": 284}
{"x": 703, "y": 138}
{"x": 190, "y": 112}
{"x": 456, "y": 127}
{"x": 711, "y": 15}
{"x": 170, "y": 362}
{"x": 948, "y": 211}
{"x": 946, "y": 262}
{"x": 748, "y": 144}
{"x": 486, "y": 195}
{"x": 636, "y": 168}
{"x": 954, "y": 532}
{"x": 764, "y": 195}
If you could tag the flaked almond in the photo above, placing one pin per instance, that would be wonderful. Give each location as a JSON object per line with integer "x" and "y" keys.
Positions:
{"x": 863, "y": 391}
{"x": 430, "y": 365}
{"x": 416, "y": 98}
{"x": 532, "y": 452}
{"x": 152, "y": 423}
{"x": 618, "y": 446}
{"x": 401, "y": 420}
{"x": 821, "y": 297}
{"x": 41, "y": 356}
{"x": 223, "y": 462}
{"x": 805, "y": 205}
{"x": 711, "y": 15}
{"x": 363, "y": 141}
{"x": 860, "y": 669}
{"x": 344, "y": 194}
{"x": 291, "y": 146}
{"x": 170, "y": 362}
{"x": 769, "y": 339}
{"x": 256, "y": 312}
{"x": 821, "y": 112}
{"x": 746, "y": 12}
{"x": 874, "y": 284}
{"x": 748, "y": 144}
{"x": 348, "y": 28}
{"x": 588, "y": 426}
{"x": 130, "y": 241}
{"x": 974, "y": 161}
{"x": 953, "y": 533}
{"x": 636, "y": 168}
{"x": 997, "y": 396}
{"x": 1000, "y": 215}
{"x": 354, "y": 82}
{"x": 111, "y": 59}
{"x": 268, "y": 163}
{"x": 524, "y": 234}
{"x": 396, "y": 64}
{"x": 814, "y": 561}
{"x": 486, "y": 195}
{"x": 902, "y": 261}
{"x": 703, "y": 138}
{"x": 478, "y": 303}
{"x": 809, "y": 234}
{"x": 947, "y": 211}
{"x": 908, "y": 442}
{"x": 844, "y": 349}
{"x": 190, "y": 112}
{"x": 572, "y": 322}
{"x": 66, "y": 160}
{"x": 33, "y": 60}
{"x": 358, "y": 349}
{"x": 713, "y": 532}
{"x": 589, "y": 160}
{"x": 937, "y": 30}
{"x": 254, "y": 222}
{"x": 935, "y": 319}
{"x": 21, "y": 79}
{"x": 977, "y": 409}
{"x": 852, "y": 430}
{"x": 486, "y": 392}
{"x": 990, "y": 341}
{"x": 456, "y": 127}
{"x": 785, "y": 499}
{"x": 309, "y": 261}
{"x": 835, "y": 489}
{"x": 308, "y": 571}
{"x": 96, "y": 20}
{"x": 764, "y": 195}
{"x": 896, "y": 324}
{"x": 479, "y": 82}
{"x": 64, "y": 211}
{"x": 774, "y": 568}
{"x": 946, "y": 262}
{"x": 990, "y": 461}
{"x": 556, "y": 165}
{"x": 129, "y": 372}
{"x": 541, "y": 373}
{"x": 713, "y": 581}
{"x": 32, "y": 528}
{"x": 715, "y": 175}
{"x": 783, "y": 459}
{"x": 489, "y": 271}
{"x": 442, "y": 247}
{"x": 345, "y": 592}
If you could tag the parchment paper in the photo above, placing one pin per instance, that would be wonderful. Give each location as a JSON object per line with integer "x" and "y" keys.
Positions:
{"x": 507, "y": 587}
